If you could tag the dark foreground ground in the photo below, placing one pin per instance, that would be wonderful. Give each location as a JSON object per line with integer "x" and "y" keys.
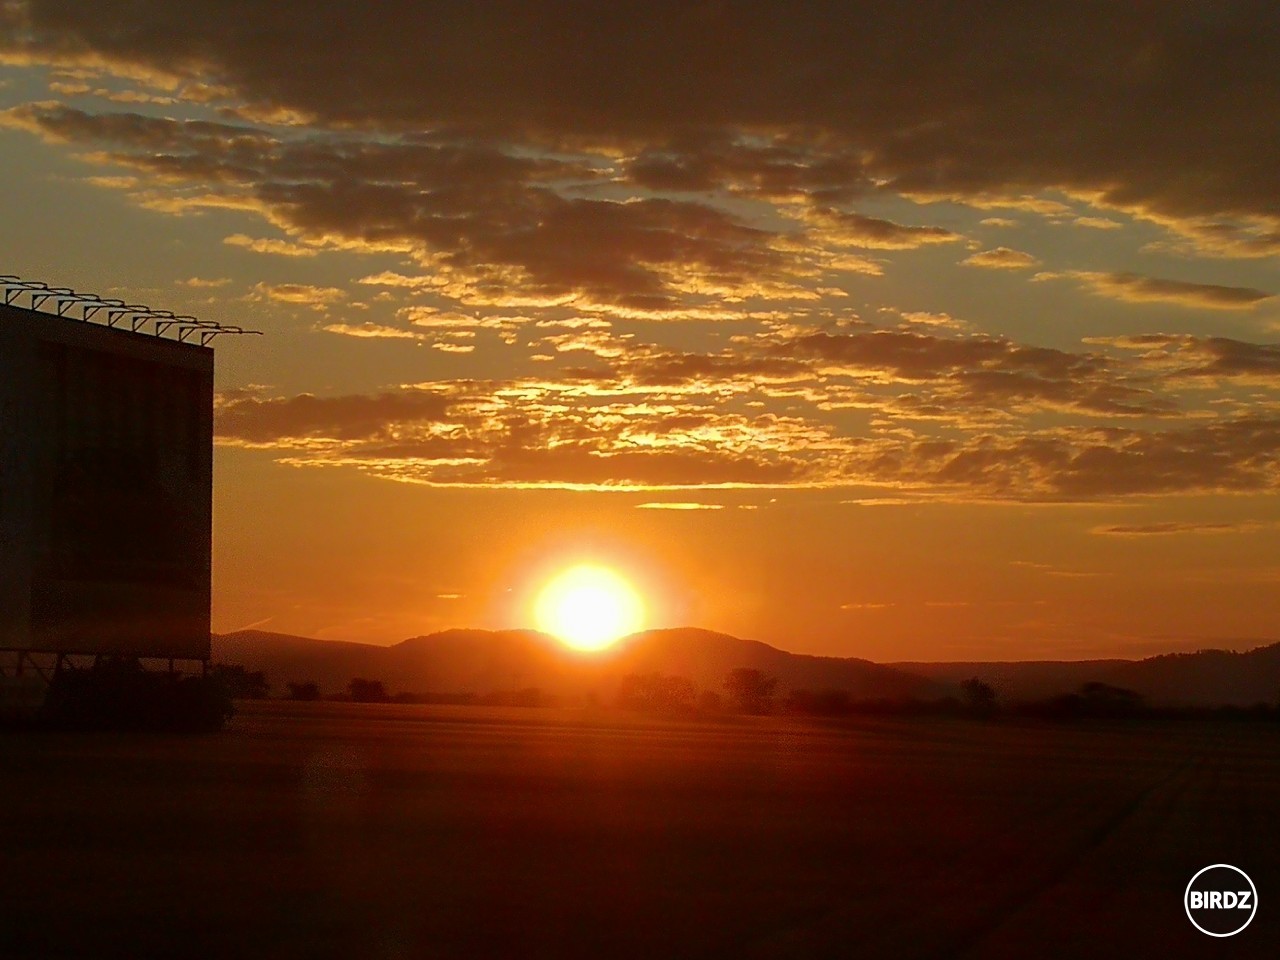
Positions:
{"x": 370, "y": 831}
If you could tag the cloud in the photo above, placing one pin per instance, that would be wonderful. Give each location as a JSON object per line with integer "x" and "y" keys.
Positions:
{"x": 371, "y": 331}
{"x": 711, "y": 159}
{"x": 437, "y": 319}
{"x": 1246, "y": 237}
{"x": 202, "y": 282}
{"x": 1239, "y": 454}
{"x": 657, "y": 167}
{"x": 928, "y": 319}
{"x": 1097, "y": 223}
{"x": 856, "y": 230}
{"x": 1001, "y": 258}
{"x": 1171, "y": 527}
{"x": 682, "y": 505}
{"x": 491, "y": 225}
{"x": 1184, "y": 357}
{"x": 1136, "y": 288}
{"x": 253, "y": 419}
{"x": 976, "y": 373}
{"x": 865, "y": 95}
{"x": 299, "y": 294}
{"x": 81, "y": 89}
{"x": 720, "y": 170}
{"x": 266, "y": 245}
{"x": 649, "y": 418}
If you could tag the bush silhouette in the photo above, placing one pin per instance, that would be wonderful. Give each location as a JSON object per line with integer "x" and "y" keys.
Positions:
{"x": 242, "y": 684}
{"x": 823, "y": 703}
{"x": 304, "y": 691}
{"x": 367, "y": 691}
{"x": 656, "y": 692}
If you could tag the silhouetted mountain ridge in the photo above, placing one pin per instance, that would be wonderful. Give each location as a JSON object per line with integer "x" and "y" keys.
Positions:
{"x": 482, "y": 661}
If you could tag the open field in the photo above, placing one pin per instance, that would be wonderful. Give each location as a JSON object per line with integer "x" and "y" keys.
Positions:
{"x": 327, "y": 830}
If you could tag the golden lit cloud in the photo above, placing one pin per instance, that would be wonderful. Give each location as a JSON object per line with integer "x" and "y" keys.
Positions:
{"x": 371, "y": 331}
{"x": 1001, "y": 258}
{"x": 266, "y": 245}
{"x": 299, "y": 294}
{"x": 679, "y": 505}
{"x": 651, "y": 419}
{"x": 1135, "y": 288}
{"x": 203, "y": 282}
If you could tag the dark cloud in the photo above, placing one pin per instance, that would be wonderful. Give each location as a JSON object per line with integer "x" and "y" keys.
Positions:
{"x": 933, "y": 98}
{"x": 1182, "y": 356}
{"x": 1236, "y": 455}
{"x": 710, "y": 160}
{"x": 1234, "y": 358}
{"x": 976, "y": 372}
{"x": 490, "y": 217}
{"x": 1239, "y": 455}
{"x": 249, "y": 417}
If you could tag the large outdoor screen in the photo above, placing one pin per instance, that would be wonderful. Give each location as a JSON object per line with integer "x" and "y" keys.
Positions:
{"x": 106, "y": 498}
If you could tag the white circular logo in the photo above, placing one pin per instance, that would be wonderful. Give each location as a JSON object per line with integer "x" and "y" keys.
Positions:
{"x": 1220, "y": 900}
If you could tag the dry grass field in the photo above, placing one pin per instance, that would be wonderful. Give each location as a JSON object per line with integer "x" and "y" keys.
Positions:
{"x": 380, "y": 831}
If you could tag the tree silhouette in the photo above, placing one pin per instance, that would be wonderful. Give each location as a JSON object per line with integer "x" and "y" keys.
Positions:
{"x": 367, "y": 691}
{"x": 979, "y": 697}
{"x": 750, "y": 690}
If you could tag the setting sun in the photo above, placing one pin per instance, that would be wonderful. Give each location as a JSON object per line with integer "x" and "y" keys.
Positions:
{"x": 588, "y": 608}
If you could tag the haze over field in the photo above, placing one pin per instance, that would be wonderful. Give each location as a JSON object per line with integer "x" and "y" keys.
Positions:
{"x": 884, "y": 331}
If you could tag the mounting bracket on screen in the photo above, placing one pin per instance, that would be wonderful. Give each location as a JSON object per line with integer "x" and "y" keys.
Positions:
{"x": 110, "y": 312}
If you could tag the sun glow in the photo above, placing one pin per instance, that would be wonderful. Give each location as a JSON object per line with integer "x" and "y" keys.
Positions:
{"x": 589, "y": 608}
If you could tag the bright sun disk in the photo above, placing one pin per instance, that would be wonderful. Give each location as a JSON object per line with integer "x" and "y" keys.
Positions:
{"x": 588, "y": 608}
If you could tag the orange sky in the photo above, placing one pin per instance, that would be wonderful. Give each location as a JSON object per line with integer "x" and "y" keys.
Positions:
{"x": 950, "y": 337}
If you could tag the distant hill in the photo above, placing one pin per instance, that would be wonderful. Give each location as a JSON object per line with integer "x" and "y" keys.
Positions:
{"x": 286, "y": 658}
{"x": 1019, "y": 680}
{"x": 1205, "y": 678}
{"x": 706, "y": 657}
{"x": 482, "y": 661}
